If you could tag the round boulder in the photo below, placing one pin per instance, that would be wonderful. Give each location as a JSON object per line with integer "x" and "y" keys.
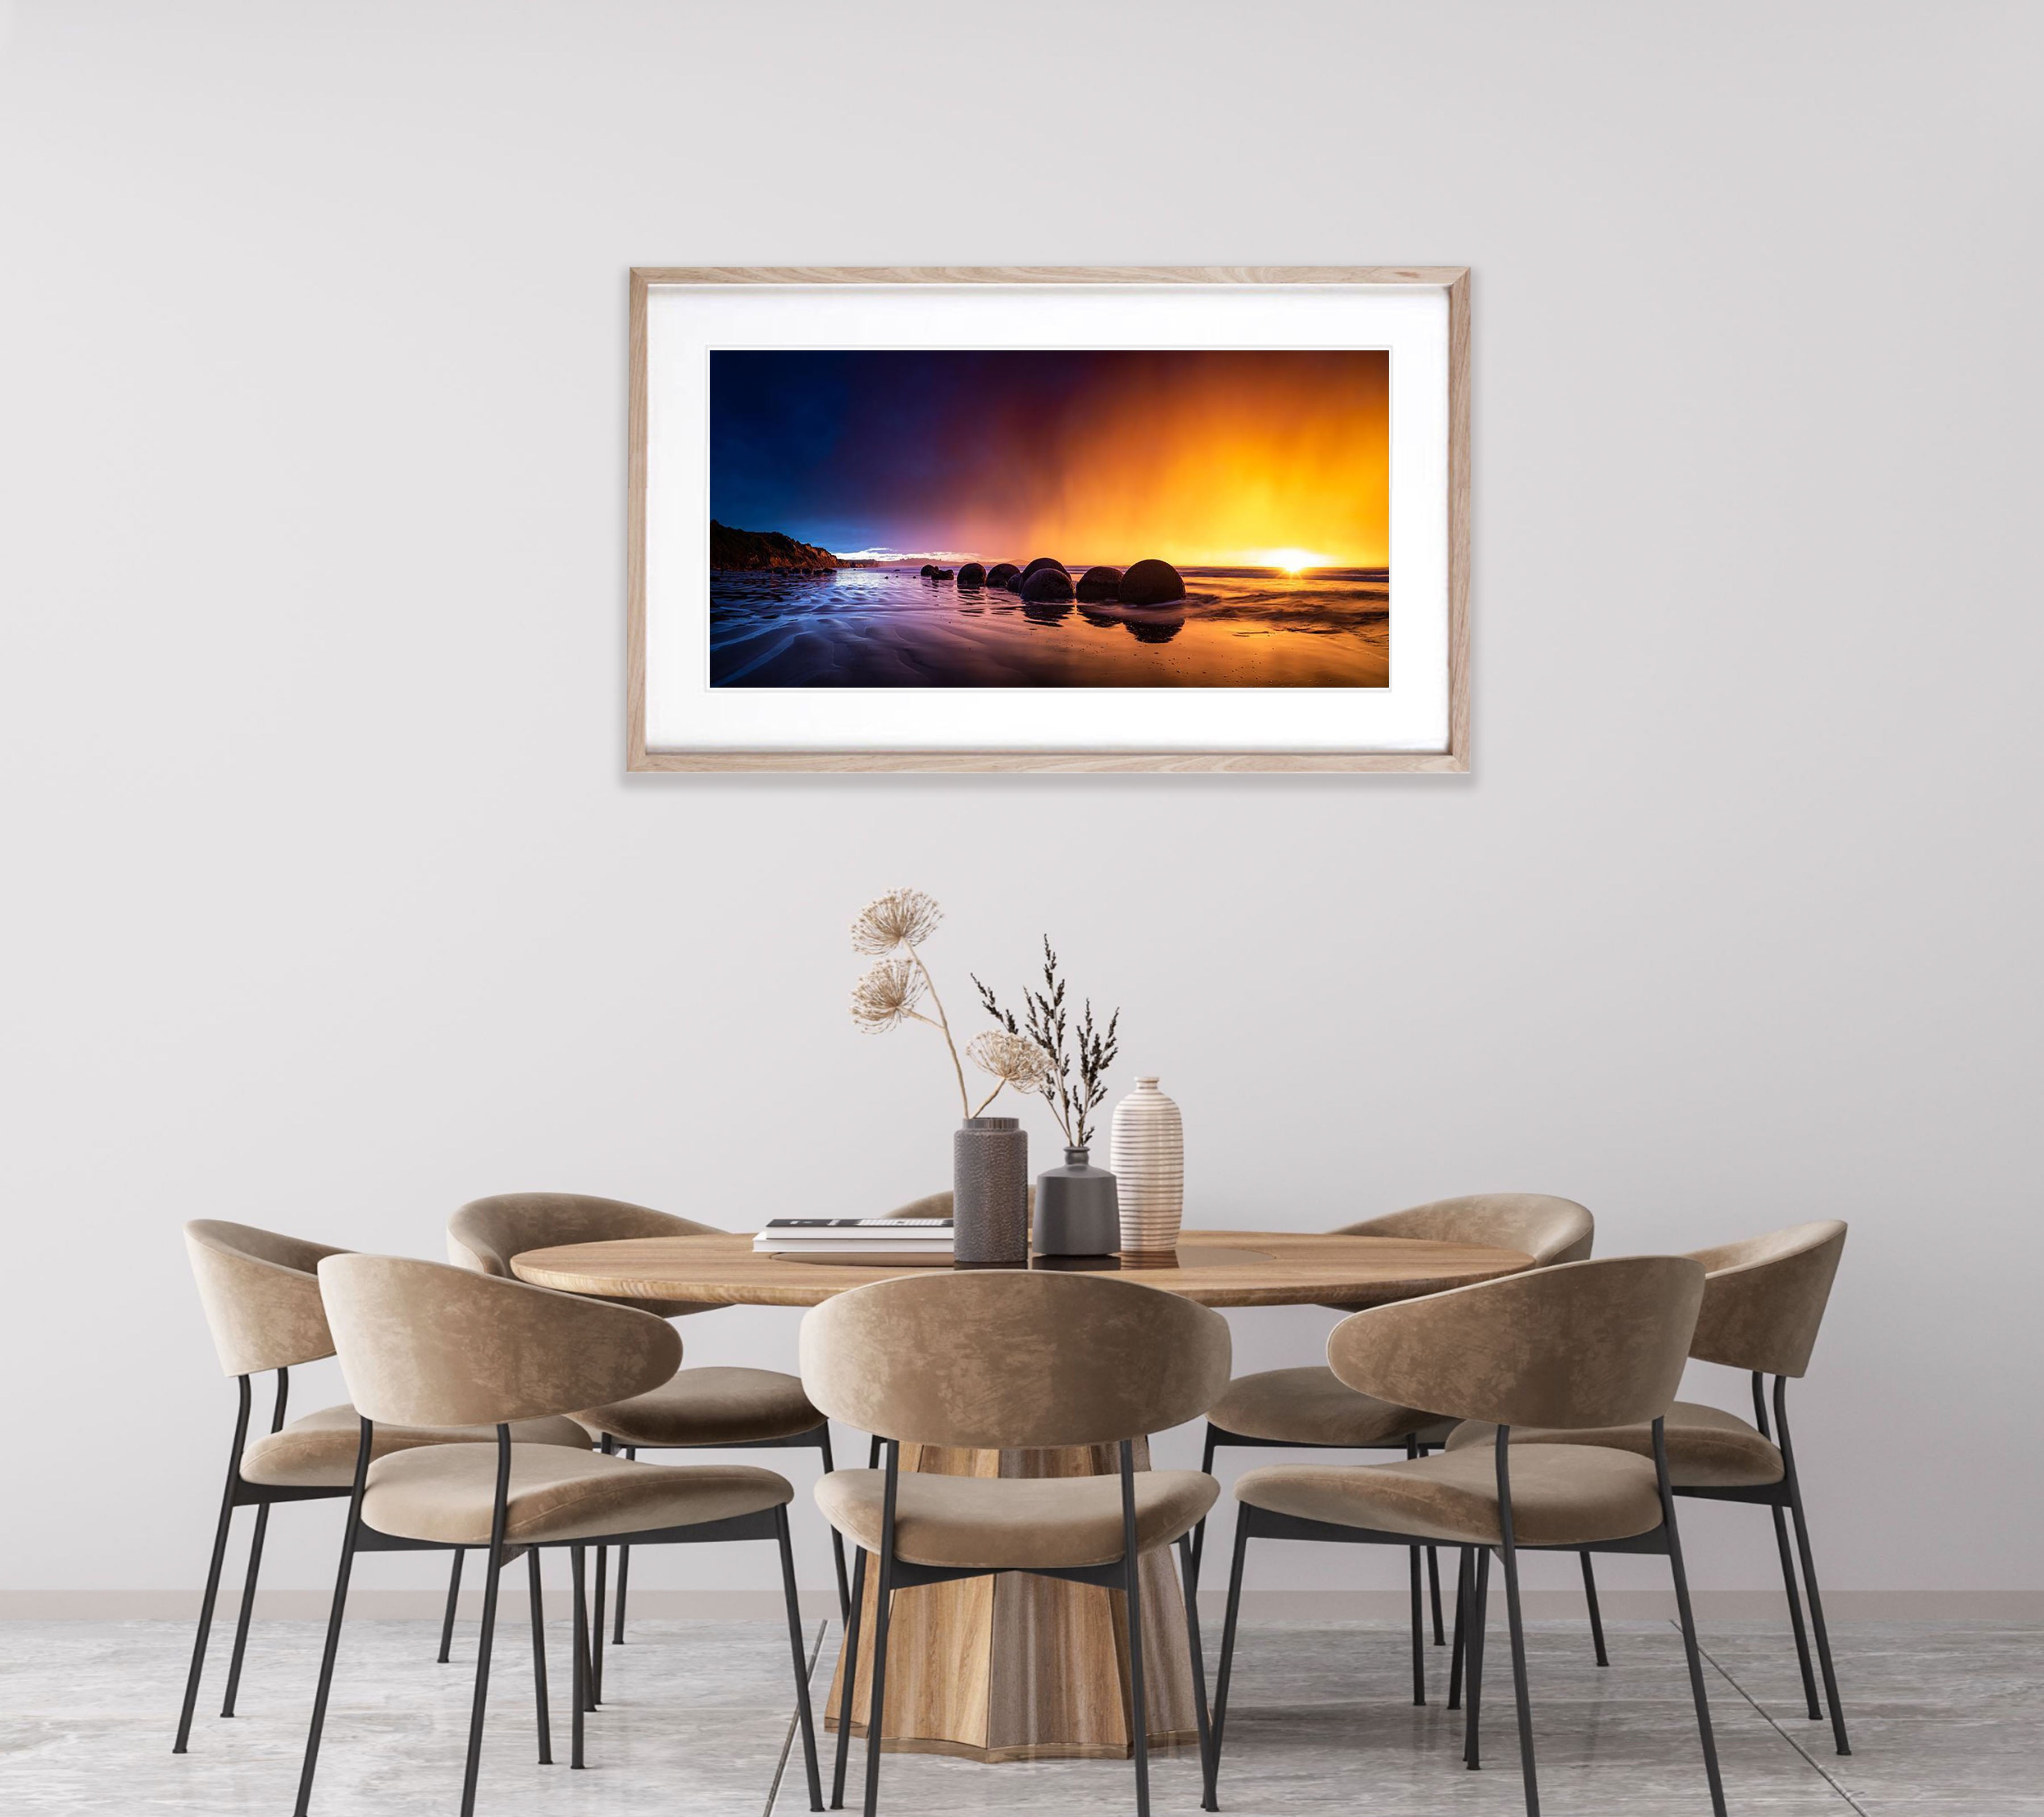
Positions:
{"x": 926, "y": 570}
{"x": 1051, "y": 582}
{"x": 1151, "y": 583}
{"x": 1043, "y": 562}
{"x": 1099, "y": 583}
{"x": 1001, "y": 573}
{"x": 972, "y": 574}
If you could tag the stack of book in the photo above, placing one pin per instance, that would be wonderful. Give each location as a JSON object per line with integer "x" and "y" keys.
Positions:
{"x": 923, "y": 1240}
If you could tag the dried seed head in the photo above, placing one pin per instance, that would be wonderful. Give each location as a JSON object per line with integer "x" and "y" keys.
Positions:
{"x": 900, "y": 918}
{"x": 1013, "y": 1059}
{"x": 887, "y": 996}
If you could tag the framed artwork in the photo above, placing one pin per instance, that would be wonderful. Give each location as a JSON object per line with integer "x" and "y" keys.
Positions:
{"x": 1049, "y": 519}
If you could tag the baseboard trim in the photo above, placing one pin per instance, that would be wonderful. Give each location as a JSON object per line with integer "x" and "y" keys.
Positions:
{"x": 1256, "y": 1605}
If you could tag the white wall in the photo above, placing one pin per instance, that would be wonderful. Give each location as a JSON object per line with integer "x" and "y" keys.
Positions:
{"x": 330, "y": 904}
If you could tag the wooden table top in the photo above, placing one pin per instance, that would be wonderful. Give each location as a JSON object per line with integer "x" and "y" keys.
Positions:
{"x": 1216, "y": 1268}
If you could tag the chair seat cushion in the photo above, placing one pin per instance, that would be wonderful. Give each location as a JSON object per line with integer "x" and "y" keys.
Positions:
{"x": 1561, "y": 1495}
{"x": 1312, "y": 1406}
{"x": 445, "y": 1492}
{"x": 318, "y": 1450}
{"x": 1707, "y": 1447}
{"x": 1014, "y": 1523}
{"x": 710, "y": 1407}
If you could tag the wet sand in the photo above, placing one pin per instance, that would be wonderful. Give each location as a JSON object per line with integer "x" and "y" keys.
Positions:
{"x": 889, "y": 627}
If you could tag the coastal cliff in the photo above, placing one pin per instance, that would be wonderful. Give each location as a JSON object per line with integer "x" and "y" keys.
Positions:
{"x": 766, "y": 549}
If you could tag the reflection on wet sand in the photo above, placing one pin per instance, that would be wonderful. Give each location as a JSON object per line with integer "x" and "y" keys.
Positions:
{"x": 890, "y": 626}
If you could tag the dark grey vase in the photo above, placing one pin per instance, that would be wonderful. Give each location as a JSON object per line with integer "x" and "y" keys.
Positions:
{"x": 1076, "y": 1211}
{"x": 990, "y": 1193}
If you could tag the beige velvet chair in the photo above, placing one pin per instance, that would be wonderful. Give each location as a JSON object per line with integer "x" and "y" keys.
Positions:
{"x": 421, "y": 1343}
{"x": 1764, "y": 1300}
{"x": 995, "y": 1360}
{"x": 1312, "y": 1408}
{"x": 698, "y": 1409}
{"x": 1577, "y": 1346}
{"x": 261, "y": 1302}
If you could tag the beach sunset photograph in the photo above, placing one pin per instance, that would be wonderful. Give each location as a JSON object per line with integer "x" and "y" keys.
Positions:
{"x": 1013, "y": 519}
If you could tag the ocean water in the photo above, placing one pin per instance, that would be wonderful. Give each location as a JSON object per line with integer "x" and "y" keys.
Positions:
{"x": 889, "y": 627}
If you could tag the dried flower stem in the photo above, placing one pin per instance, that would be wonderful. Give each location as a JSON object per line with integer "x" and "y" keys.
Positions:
{"x": 1047, "y": 1025}
{"x": 943, "y": 1025}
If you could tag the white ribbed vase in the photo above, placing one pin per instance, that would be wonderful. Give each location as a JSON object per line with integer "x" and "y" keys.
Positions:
{"x": 1149, "y": 1153}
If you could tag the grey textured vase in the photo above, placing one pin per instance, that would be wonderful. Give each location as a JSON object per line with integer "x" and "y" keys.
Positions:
{"x": 990, "y": 1193}
{"x": 1077, "y": 1213}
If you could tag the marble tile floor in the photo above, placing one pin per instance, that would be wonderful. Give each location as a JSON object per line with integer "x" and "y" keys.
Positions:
{"x": 1946, "y": 1719}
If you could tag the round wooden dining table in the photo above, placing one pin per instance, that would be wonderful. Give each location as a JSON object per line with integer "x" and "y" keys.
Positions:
{"x": 1016, "y": 1667}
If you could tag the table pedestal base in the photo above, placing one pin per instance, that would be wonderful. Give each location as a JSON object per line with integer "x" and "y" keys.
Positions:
{"x": 1015, "y": 1667}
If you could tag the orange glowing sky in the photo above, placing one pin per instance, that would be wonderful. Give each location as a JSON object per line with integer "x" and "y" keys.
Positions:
{"x": 1207, "y": 458}
{"x": 1220, "y": 460}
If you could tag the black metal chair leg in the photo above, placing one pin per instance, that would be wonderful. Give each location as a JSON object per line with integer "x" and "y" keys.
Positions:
{"x": 1810, "y": 1704}
{"x": 623, "y": 1574}
{"x": 247, "y": 1608}
{"x": 472, "y": 1770}
{"x": 1815, "y": 1709}
{"x": 1211, "y": 1801}
{"x": 803, "y": 1714}
{"x": 1414, "y": 1450}
{"x": 1473, "y": 1663}
{"x": 543, "y": 1715}
{"x": 592, "y": 1641}
{"x": 1131, "y": 1581}
{"x": 1522, "y": 1692}
{"x": 848, "y": 1671}
{"x": 453, "y": 1599}
{"x": 581, "y": 1658}
{"x": 1597, "y": 1614}
{"x": 1418, "y": 1630}
{"x": 608, "y": 1445}
{"x": 254, "y": 1564}
{"x": 347, "y": 1543}
{"x": 1462, "y": 1593}
{"x": 1194, "y": 1650}
{"x": 1809, "y": 1564}
{"x": 1689, "y": 1619}
{"x": 596, "y": 1627}
{"x": 1199, "y": 1551}
{"x": 876, "y": 1707}
{"x": 837, "y": 1539}
{"x": 212, "y": 1595}
{"x": 1434, "y": 1593}
{"x": 1139, "y": 1697}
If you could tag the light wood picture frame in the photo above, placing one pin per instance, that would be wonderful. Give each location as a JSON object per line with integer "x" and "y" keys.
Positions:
{"x": 1444, "y": 745}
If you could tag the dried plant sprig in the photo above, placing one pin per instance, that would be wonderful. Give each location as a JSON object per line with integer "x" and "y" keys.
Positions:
{"x": 1047, "y": 1023}
{"x": 887, "y": 996}
{"x": 900, "y": 918}
{"x": 1012, "y": 1059}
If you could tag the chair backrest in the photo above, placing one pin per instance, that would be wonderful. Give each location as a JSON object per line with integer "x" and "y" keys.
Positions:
{"x": 486, "y": 1234}
{"x": 995, "y": 1359}
{"x": 423, "y": 1343}
{"x": 1764, "y": 1298}
{"x": 938, "y": 1205}
{"x": 1580, "y": 1344}
{"x": 1549, "y": 1230}
{"x": 261, "y": 1295}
